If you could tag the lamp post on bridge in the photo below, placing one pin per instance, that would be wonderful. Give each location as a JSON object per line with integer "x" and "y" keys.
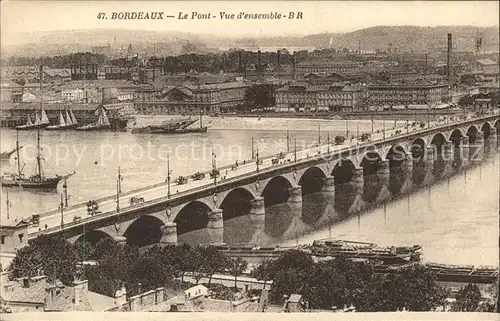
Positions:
{"x": 319, "y": 135}
{"x": 295, "y": 150}
{"x": 120, "y": 178}
{"x": 328, "y": 142}
{"x": 253, "y": 156}
{"x": 65, "y": 188}
{"x": 8, "y": 204}
{"x": 117, "y": 196}
{"x": 287, "y": 142}
{"x": 214, "y": 165}
{"x": 257, "y": 156}
{"x": 61, "y": 207}
{"x": 168, "y": 176}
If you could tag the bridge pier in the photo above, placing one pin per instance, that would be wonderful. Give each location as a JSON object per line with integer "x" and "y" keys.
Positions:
{"x": 493, "y": 139}
{"x": 295, "y": 194}
{"x": 448, "y": 158}
{"x": 295, "y": 200}
{"x": 357, "y": 183}
{"x": 464, "y": 151}
{"x": 407, "y": 169}
{"x": 122, "y": 240}
{"x": 478, "y": 148}
{"x": 328, "y": 185}
{"x": 258, "y": 210}
{"x": 169, "y": 235}
{"x": 215, "y": 226}
{"x": 429, "y": 159}
{"x": 384, "y": 174}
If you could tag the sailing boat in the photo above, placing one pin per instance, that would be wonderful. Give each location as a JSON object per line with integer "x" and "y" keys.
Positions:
{"x": 63, "y": 123}
{"x": 102, "y": 123}
{"x": 40, "y": 122}
{"x": 6, "y": 155}
{"x": 74, "y": 121}
{"x": 38, "y": 180}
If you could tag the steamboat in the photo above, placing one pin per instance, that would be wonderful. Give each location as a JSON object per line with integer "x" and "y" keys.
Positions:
{"x": 464, "y": 273}
{"x": 69, "y": 122}
{"x": 174, "y": 126}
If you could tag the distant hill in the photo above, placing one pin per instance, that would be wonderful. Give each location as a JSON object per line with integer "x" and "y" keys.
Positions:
{"x": 404, "y": 38}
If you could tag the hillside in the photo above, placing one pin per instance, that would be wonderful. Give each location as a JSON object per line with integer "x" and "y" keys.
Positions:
{"x": 405, "y": 38}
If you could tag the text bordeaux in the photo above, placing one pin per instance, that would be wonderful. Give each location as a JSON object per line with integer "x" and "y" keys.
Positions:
{"x": 137, "y": 15}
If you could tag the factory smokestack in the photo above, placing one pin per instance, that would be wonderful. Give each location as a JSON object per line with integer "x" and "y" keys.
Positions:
{"x": 448, "y": 57}
{"x": 258, "y": 58}
{"x": 279, "y": 62}
{"x": 293, "y": 65}
{"x": 239, "y": 60}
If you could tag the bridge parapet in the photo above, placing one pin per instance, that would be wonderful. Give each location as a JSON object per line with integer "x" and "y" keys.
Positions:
{"x": 323, "y": 156}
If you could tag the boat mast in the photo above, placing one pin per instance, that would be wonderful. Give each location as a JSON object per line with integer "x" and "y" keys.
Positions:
{"x": 17, "y": 154}
{"x": 38, "y": 157}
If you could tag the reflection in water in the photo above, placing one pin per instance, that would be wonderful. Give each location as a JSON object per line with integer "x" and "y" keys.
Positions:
{"x": 455, "y": 220}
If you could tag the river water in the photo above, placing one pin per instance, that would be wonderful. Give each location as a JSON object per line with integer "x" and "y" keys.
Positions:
{"x": 455, "y": 221}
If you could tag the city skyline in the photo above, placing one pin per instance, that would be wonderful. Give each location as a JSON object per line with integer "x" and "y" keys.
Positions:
{"x": 355, "y": 15}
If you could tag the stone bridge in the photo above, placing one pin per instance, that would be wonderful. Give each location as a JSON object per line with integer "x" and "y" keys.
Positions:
{"x": 397, "y": 163}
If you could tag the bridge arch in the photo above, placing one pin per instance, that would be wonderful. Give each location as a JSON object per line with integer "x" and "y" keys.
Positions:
{"x": 343, "y": 171}
{"x": 276, "y": 190}
{"x": 472, "y": 133}
{"x": 455, "y": 136}
{"x": 370, "y": 162}
{"x": 93, "y": 237}
{"x": 396, "y": 155}
{"x": 145, "y": 230}
{"x": 193, "y": 216}
{"x": 236, "y": 203}
{"x": 417, "y": 148}
{"x": 312, "y": 180}
{"x": 486, "y": 129}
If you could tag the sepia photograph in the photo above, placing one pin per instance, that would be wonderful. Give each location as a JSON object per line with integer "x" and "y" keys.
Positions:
{"x": 249, "y": 160}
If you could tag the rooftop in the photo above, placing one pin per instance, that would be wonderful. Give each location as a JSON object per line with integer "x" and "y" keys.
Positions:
{"x": 486, "y": 62}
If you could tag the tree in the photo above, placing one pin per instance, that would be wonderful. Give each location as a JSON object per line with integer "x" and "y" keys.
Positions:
{"x": 236, "y": 267}
{"x": 214, "y": 261}
{"x": 263, "y": 271}
{"x": 468, "y": 298}
{"x": 48, "y": 253}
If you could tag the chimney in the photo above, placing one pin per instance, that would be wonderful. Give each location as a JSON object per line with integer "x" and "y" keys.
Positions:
{"x": 258, "y": 58}
{"x": 279, "y": 63}
{"x": 239, "y": 60}
{"x": 448, "y": 57}
{"x": 80, "y": 291}
{"x": 293, "y": 64}
{"x": 121, "y": 296}
{"x": 26, "y": 282}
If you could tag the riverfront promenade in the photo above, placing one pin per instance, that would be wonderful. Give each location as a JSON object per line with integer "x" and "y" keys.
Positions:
{"x": 55, "y": 220}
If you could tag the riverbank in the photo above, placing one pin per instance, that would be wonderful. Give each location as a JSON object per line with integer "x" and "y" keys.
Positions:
{"x": 360, "y": 115}
{"x": 252, "y": 123}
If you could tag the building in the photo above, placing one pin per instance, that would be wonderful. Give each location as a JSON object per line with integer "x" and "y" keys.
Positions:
{"x": 72, "y": 94}
{"x": 28, "y": 97}
{"x": 329, "y": 67}
{"x": 204, "y": 99}
{"x": 10, "y": 92}
{"x": 29, "y": 294}
{"x": 13, "y": 236}
{"x": 295, "y": 303}
{"x": 56, "y": 75}
{"x": 405, "y": 94}
{"x": 195, "y": 292}
{"x": 336, "y": 97}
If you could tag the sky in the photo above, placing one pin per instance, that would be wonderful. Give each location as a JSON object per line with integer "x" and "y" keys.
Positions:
{"x": 318, "y": 16}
